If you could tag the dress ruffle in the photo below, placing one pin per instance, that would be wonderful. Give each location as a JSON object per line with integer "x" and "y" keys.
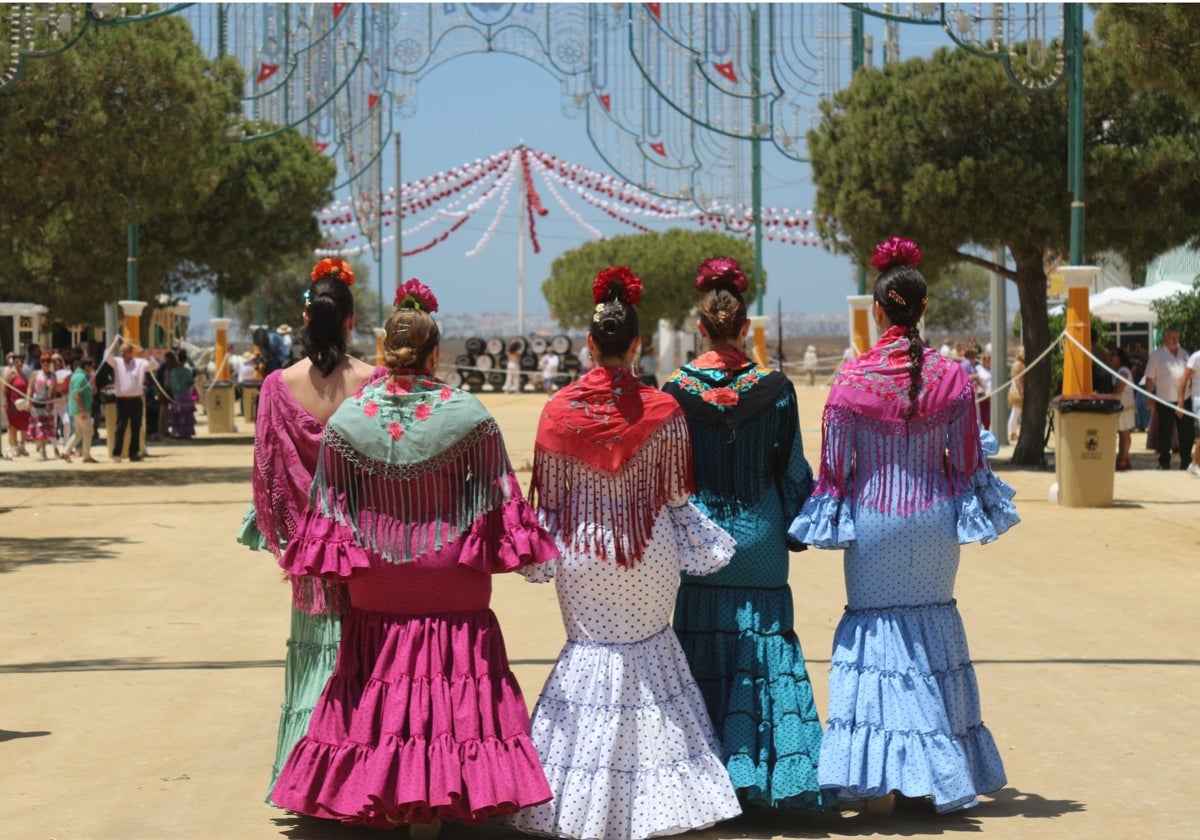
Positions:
{"x": 751, "y": 671}
{"x": 825, "y": 522}
{"x": 986, "y": 510}
{"x": 323, "y": 547}
{"x": 249, "y": 535}
{"x": 438, "y": 729}
{"x": 706, "y": 546}
{"x": 507, "y": 539}
{"x": 627, "y": 745}
{"x": 904, "y": 710}
{"x": 311, "y": 656}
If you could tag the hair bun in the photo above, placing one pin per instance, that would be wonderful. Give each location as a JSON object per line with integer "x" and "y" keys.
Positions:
{"x": 896, "y": 251}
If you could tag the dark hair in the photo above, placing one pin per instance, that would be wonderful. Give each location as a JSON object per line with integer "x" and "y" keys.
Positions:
{"x": 902, "y": 293}
{"x": 324, "y": 336}
{"x": 409, "y": 337}
{"x": 722, "y": 312}
{"x": 87, "y": 360}
{"x": 614, "y": 325}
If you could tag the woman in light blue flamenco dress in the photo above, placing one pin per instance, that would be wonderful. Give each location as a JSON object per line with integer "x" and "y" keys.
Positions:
{"x": 904, "y": 482}
{"x": 736, "y": 625}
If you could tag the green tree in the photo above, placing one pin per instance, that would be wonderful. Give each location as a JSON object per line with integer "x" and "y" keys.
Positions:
{"x": 947, "y": 151}
{"x": 1156, "y": 44}
{"x": 958, "y": 299}
{"x": 134, "y": 122}
{"x": 666, "y": 262}
{"x": 1182, "y": 311}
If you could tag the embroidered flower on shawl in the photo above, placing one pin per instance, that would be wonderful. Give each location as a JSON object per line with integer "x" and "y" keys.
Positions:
{"x": 720, "y": 396}
{"x": 370, "y": 408}
{"x": 398, "y": 385}
{"x": 395, "y": 430}
{"x": 431, "y": 383}
{"x": 446, "y": 393}
{"x": 423, "y": 411}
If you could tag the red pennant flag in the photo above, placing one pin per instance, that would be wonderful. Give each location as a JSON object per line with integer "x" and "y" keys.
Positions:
{"x": 322, "y": 146}
{"x": 372, "y": 100}
{"x": 655, "y": 9}
{"x": 266, "y": 71}
{"x": 606, "y": 101}
{"x": 726, "y": 70}
{"x": 660, "y": 148}
{"x": 338, "y": 8}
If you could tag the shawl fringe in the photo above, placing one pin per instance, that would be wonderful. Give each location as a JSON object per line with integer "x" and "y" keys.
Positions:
{"x": 949, "y": 435}
{"x": 595, "y": 511}
{"x": 405, "y": 511}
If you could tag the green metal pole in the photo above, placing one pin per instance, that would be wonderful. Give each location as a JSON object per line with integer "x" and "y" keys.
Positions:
{"x": 1074, "y": 26}
{"x": 222, "y": 35}
{"x": 760, "y": 289}
{"x": 131, "y": 284}
{"x": 857, "y": 59}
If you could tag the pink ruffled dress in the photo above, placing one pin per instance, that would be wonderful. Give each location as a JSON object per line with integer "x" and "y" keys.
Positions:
{"x": 416, "y": 506}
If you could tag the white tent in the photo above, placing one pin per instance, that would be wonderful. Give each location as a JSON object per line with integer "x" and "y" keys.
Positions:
{"x": 1118, "y": 304}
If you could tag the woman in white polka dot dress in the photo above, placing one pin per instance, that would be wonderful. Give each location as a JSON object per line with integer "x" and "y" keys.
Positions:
{"x": 621, "y": 726}
{"x": 904, "y": 481}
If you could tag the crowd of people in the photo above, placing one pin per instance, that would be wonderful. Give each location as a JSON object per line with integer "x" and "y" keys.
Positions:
{"x": 665, "y": 518}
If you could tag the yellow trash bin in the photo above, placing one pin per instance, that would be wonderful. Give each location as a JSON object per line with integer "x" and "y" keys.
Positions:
{"x": 1085, "y": 449}
{"x": 219, "y": 406}
{"x": 250, "y": 392}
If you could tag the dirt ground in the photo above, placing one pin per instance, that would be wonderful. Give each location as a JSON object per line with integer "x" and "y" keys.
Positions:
{"x": 141, "y": 653}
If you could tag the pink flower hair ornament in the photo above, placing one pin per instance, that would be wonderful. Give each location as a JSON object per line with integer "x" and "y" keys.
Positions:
{"x": 719, "y": 272}
{"x": 415, "y": 295}
{"x": 619, "y": 280}
{"x": 896, "y": 251}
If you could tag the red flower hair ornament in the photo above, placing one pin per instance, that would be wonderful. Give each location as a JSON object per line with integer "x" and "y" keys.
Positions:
{"x": 415, "y": 295}
{"x": 719, "y": 272}
{"x": 333, "y": 267}
{"x": 896, "y": 251}
{"x": 618, "y": 280}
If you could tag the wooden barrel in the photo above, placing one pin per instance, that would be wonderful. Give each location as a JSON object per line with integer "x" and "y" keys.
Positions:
{"x": 494, "y": 346}
{"x": 517, "y": 343}
{"x": 453, "y": 379}
{"x": 483, "y": 361}
{"x": 464, "y": 362}
{"x": 472, "y": 380}
{"x": 529, "y": 361}
{"x": 561, "y": 344}
{"x": 475, "y": 346}
{"x": 570, "y": 363}
{"x": 537, "y": 345}
{"x": 496, "y": 379}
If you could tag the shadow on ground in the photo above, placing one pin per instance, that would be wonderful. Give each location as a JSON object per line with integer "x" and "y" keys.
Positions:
{"x": 135, "y": 663}
{"x": 18, "y": 552}
{"x": 131, "y": 475}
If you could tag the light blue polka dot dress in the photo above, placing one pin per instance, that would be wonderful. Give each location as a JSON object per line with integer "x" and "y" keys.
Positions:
{"x": 900, "y": 496}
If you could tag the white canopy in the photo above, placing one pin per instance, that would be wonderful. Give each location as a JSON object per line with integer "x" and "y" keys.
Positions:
{"x": 1118, "y": 304}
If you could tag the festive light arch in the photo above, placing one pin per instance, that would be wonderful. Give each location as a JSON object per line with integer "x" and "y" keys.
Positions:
{"x": 446, "y": 201}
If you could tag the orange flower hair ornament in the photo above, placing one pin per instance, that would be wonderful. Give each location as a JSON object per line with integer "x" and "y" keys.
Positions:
{"x": 333, "y": 267}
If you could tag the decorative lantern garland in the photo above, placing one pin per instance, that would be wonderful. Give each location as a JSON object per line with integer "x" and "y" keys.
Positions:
{"x": 454, "y": 196}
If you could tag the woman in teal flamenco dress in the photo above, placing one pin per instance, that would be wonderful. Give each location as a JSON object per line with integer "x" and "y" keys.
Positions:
{"x": 904, "y": 482}
{"x": 736, "y": 625}
{"x": 293, "y": 407}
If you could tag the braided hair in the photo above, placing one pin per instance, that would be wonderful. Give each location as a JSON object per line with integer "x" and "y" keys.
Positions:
{"x": 900, "y": 289}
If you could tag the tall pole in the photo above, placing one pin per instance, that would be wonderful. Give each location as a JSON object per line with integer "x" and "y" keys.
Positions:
{"x": 379, "y": 210}
{"x": 760, "y": 289}
{"x": 131, "y": 258}
{"x": 1074, "y": 38}
{"x": 399, "y": 220}
{"x": 222, "y": 34}
{"x": 857, "y": 59}
{"x": 521, "y": 214}
{"x": 999, "y": 329}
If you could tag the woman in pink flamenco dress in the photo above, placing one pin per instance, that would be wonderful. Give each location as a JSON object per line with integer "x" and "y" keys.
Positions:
{"x": 292, "y": 409}
{"x": 415, "y": 505}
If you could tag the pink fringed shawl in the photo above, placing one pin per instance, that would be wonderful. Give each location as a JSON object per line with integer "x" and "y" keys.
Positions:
{"x": 872, "y": 454}
{"x": 609, "y": 451}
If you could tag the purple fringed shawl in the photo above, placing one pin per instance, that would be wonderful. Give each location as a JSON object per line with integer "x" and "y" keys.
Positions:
{"x": 910, "y": 464}
{"x": 610, "y": 452}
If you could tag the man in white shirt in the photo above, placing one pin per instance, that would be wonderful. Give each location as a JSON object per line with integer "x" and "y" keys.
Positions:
{"x": 1166, "y": 370}
{"x": 1191, "y": 385}
{"x": 549, "y": 366}
{"x": 129, "y": 378}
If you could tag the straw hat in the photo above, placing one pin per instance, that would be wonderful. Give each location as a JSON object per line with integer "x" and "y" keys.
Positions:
{"x": 283, "y": 329}
{"x": 248, "y": 355}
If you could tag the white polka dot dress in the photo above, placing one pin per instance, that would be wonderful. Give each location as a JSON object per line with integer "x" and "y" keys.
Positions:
{"x": 621, "y": 727}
